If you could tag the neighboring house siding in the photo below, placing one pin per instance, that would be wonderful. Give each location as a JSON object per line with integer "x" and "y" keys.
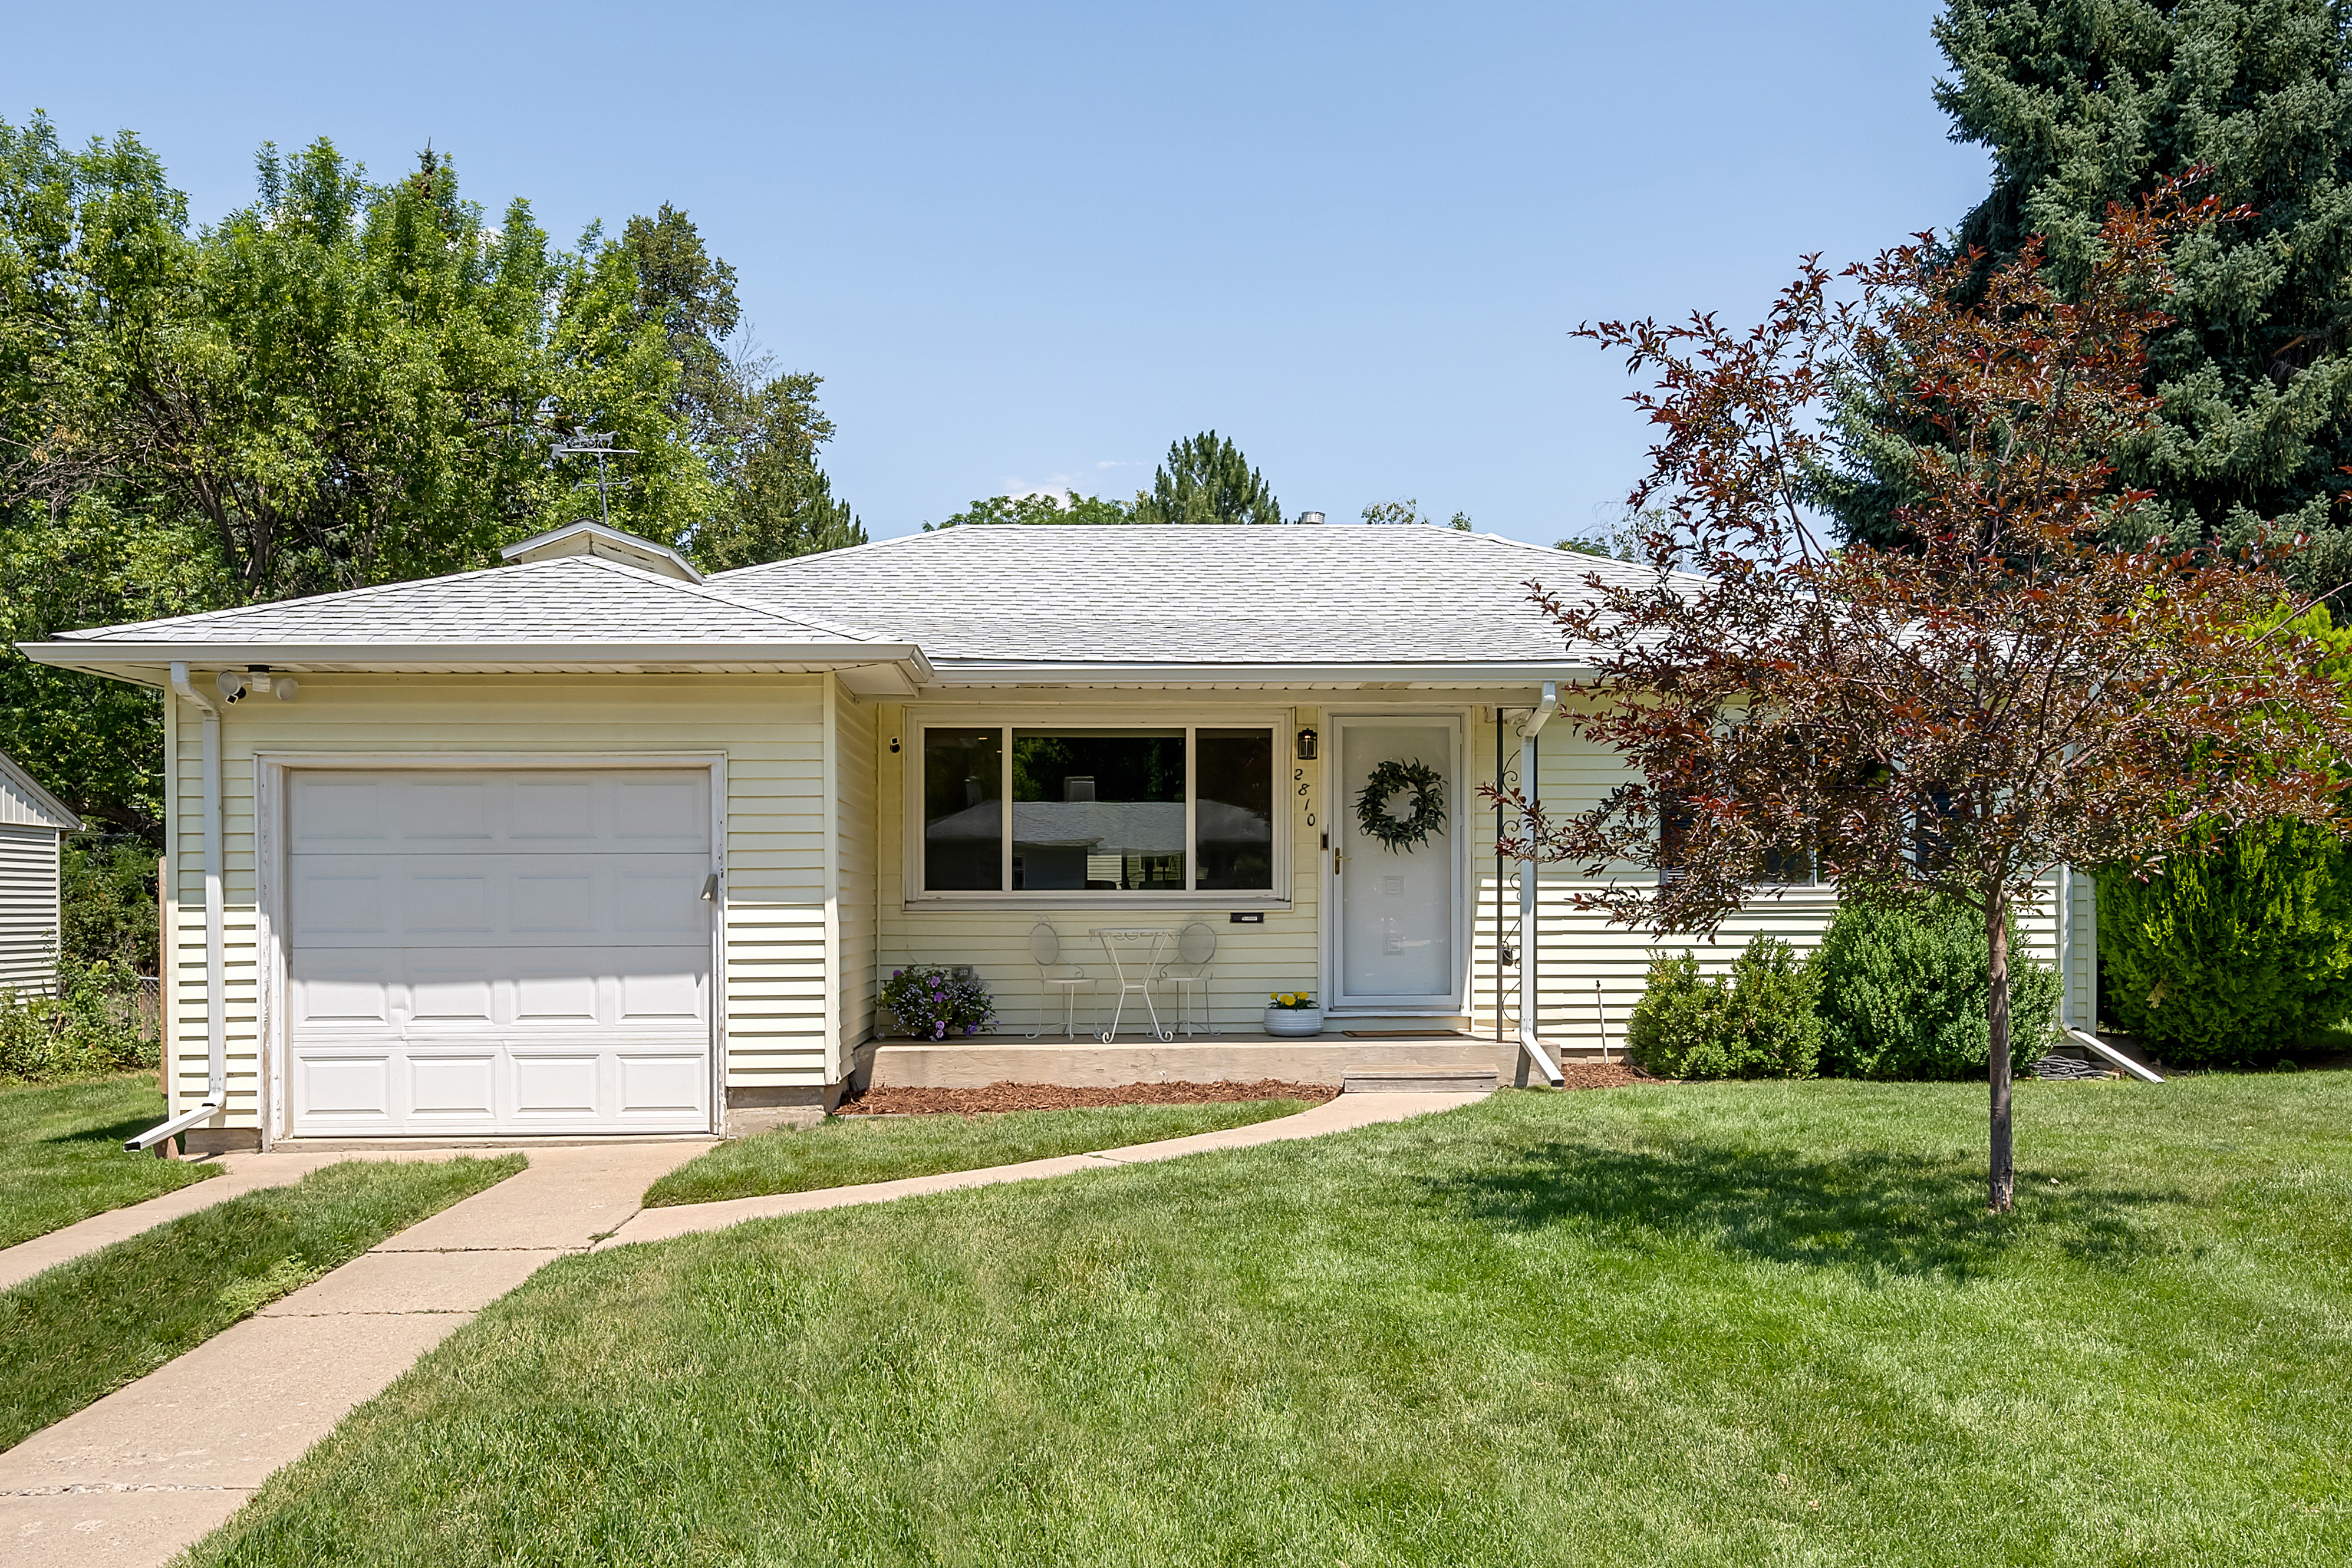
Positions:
{"x": 769, "y": 729}
{"x": 28, "y": 907}
{"x": 856, "y": 742}
{"x": 1283, "y": 954}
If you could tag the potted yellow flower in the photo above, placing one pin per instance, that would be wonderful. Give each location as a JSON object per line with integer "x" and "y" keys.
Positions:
{"x": 1293, "y": 1013}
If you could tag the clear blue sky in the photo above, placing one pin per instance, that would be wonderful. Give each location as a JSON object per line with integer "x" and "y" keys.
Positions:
{"x": 1029, "y": 245}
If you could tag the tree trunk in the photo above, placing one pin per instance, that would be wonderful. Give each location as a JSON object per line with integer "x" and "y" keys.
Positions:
{"x": 2003, "y": 1186}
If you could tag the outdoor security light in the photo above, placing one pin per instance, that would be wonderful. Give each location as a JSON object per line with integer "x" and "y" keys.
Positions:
{"x": 1305, "y": 745}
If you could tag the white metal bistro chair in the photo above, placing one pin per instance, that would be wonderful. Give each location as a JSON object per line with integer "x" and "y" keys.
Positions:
{"x": 1045, "y": 947}
{"x": 1196, "y": 950}
{"x": 1133, "y": 972}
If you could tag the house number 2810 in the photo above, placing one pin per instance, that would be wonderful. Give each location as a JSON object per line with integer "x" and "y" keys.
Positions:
{"x": 1299, "y": 774}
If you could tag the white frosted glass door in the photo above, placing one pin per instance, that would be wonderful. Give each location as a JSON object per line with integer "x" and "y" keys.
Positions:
{"x": 1396, "y": 942}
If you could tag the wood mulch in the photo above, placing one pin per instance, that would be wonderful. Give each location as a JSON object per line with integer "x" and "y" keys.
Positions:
{"x": 1603, "y": 1075}
{"x": 1056, "y": 1097}
{"x": 1008, "y": 1096}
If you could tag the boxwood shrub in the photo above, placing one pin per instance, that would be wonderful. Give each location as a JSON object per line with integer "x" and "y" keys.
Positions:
{"x": 1758, "y": 1021}
{"x": 1903, "y": 994}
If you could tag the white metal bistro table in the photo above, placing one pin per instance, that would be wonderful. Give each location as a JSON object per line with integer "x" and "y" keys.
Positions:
{"x": 1131, "y": 972}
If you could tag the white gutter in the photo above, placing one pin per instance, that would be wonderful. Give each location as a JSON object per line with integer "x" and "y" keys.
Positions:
{"x": 1532, "y": 788}
{"x": 1290, "y": 675}
{"x": 215, "y": 939}
{"x": 108, "y": 656}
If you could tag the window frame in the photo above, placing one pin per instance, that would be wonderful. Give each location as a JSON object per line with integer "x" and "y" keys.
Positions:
{"x": 1190, "y": 720}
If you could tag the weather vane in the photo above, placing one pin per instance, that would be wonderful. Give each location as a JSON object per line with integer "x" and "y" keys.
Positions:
{"x": 599, "y": 445}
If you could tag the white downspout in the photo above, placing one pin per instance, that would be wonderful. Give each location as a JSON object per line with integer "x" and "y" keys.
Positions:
{"x": 215, "y": 939}
{"x": 1532, "y": 788}
{"x": 2065, "y": 946}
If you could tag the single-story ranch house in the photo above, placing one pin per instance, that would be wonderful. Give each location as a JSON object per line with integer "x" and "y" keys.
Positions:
{"x": 586, "y": 843}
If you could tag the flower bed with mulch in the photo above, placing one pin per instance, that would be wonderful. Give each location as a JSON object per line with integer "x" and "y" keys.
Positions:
{"x": 903, "y": 1101}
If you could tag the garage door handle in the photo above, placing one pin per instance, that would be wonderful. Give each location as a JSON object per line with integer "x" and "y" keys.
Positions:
{"x": 710, "y": 889}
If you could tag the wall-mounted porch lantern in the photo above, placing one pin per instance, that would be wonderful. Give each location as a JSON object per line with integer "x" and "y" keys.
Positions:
{"x": 1305, "y": 745}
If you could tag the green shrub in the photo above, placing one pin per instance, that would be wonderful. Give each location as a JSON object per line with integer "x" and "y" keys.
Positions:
{"x": 1758, "y": 1021}
{"x": 1903, "y": 994}
{"x": 93, "y": 1026}
{"x": 2235, "y": 956}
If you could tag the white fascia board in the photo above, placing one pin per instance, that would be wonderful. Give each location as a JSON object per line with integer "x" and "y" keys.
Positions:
{"x": 974, "y": 673}
{"x": 120, "y": 658}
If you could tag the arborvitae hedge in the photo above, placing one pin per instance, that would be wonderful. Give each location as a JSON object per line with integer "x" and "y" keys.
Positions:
{"x": 2232, "y": 956}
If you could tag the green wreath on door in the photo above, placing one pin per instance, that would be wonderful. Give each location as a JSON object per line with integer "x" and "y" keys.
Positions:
{"x": 1398, "y": 834}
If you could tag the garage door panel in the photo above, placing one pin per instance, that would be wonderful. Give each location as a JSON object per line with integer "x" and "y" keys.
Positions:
{"x": 452, "y": 1085}
{"x": 346, "y": 1088}
{"x": 528, "y": 812}
{"x": 557, "y": 1083}
{"x": 487, "y": 952}
{"x": 342, "y": 990}
{"x": 661, "y": 1084}
{"x": 496, "y": 898}
{"x": 648, "y": 995}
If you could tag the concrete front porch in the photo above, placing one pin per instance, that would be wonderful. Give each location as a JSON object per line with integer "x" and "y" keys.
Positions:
{"x": 1243, "y": 1056}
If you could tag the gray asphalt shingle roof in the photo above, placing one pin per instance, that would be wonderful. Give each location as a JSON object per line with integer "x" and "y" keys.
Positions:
{"x": 567, "y": 600}
{"x": 1336, "y": 595}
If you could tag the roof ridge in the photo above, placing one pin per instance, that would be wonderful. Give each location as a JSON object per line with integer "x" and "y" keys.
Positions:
{"x": 823, "y": 554}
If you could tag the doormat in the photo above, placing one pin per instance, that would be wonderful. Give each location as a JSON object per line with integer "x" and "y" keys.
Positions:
{"x": 1406, "y": 1034}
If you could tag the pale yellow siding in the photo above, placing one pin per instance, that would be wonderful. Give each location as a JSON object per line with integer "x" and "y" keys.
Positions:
{"x": 769, "y": 729}
{"x": 1576, "y": 948}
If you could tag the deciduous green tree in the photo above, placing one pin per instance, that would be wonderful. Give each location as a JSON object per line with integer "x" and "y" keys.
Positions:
{"x": 1043, "y": 507}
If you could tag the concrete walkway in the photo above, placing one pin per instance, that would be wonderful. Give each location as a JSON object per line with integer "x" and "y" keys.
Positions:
{"x": 1339, "y": 1115}
{"x": 147, "y": 1471}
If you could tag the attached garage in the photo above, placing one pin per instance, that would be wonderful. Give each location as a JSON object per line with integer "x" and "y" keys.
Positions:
{"x": 514, "y": 951}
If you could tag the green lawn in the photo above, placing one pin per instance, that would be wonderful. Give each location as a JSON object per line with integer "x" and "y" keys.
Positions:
{"x": 847, "y": 1150}
{"x": 1739, "y": 1324}
{"x": 85, "y": 1328}
{"x": 61, "y": 1156}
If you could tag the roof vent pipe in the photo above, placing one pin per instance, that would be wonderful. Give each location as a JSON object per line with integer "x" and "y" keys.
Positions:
{"x": 216, "y": 946}
{"x": 1310, "y": 517}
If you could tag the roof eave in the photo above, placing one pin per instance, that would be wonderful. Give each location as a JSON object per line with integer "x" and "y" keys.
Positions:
{"x": 124, "y": 661}
{"x": 1292, "y": 672}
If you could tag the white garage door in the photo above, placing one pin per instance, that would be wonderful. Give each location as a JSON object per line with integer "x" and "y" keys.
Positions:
{"x": 523, "y": 952}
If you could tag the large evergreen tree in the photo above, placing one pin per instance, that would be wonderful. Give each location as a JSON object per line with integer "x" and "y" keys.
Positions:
{"x": 2084, "y": 102}
{"x": 1206, "y": 480}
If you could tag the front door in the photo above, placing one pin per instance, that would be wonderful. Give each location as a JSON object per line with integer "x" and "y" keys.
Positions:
{"x": 1396, "y": 943}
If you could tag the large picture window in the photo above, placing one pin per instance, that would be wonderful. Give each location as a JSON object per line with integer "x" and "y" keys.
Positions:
{"x": 1101, "y": 810}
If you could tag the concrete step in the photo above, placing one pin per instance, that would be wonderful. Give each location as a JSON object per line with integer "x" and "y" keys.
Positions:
{"x": 1322, "y": 1059}
{"x": 1420, "y": 1080}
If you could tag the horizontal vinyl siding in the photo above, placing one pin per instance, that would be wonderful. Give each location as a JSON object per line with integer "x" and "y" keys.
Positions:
{"x": 1577, "y": 950}
{"x": 28, "y": 909}
{"x": 769, "y": 729}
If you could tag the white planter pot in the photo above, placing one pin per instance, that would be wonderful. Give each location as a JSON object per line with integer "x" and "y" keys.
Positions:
{"x": 1295, "y": 1021}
